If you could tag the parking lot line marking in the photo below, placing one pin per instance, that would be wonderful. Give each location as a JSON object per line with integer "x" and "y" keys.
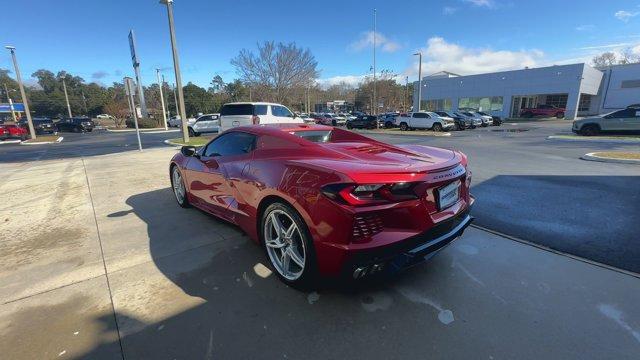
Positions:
{"x": 557, "y": 252}
{"x": 104, "y": 263}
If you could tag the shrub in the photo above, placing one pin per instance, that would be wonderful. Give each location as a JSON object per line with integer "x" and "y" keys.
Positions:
{"x": 143, "y": 123}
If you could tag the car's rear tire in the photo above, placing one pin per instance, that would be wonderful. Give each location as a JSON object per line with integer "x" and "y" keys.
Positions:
{"x": 192, "y": 133}
{"x": 485, "y": 124}
{"x": 179, "y": 187}
{"x": 404, "y": 126}
{"x": 590, "y": 130}
{"x": 334, "y": 123}
{"x": 388, "y": 125}
{"x": 560, "y": 115}
{"x": 288, "y": 245}
{"x": 437, "y": 127}
{"x": 349, "y": 126}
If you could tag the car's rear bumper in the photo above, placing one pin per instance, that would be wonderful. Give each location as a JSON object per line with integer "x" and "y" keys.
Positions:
{"x": 403, "y": 254}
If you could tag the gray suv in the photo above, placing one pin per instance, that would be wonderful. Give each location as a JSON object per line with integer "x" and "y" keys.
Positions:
{"x": 626, "y": 120}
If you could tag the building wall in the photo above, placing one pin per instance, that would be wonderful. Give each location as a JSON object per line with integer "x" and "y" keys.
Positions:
{"x": 620, "y": 87}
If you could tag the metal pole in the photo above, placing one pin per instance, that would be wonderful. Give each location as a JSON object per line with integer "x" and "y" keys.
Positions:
{"x": 13, "y": 114}
{"x": 175, "y": 100}
{"x": 64, "y": 87}
{"x": 32, "y": 130}
{"x": 84, "y": 102}
{"x": 164, "y": 114}
{"x": 176, "y": 66}
{"x": 129, "y": 88}
{"x": 419, "y": 80}
{"x": 375, "y": 99}
{"x": 406, "y": 93}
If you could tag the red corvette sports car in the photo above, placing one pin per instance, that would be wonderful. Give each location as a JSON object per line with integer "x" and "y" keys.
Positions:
{"x": 323, "y": 201}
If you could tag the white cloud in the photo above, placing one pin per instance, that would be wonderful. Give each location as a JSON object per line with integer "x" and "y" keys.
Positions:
{"x": 625, "y": 15}
{"x": 449, "y": 10}
{"x": 351, "y": 80}
{"x": 587, "y": 27}
{"x": 482, "y": 3}
{"x": 440, "y": 55}
{"x": 366, "y": 41}
{"x": 607, "y": 46}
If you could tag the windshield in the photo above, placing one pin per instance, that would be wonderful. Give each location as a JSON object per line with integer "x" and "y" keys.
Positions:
{"x": 317, "y": 136}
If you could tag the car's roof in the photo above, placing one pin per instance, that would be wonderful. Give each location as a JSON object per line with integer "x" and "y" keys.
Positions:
{"x": 281, "y": 127}
{"x": 252, "y": 103}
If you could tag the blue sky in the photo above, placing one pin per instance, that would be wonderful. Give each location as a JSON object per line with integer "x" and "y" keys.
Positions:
{"x": 89, "y": 38}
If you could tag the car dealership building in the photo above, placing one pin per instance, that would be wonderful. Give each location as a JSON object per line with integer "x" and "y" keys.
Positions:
{"x": 579, "y": 88}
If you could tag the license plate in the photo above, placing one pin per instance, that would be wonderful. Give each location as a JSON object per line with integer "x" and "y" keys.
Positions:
{"x": 448, "y": 195}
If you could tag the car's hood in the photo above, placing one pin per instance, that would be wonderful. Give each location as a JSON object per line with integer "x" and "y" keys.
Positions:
{"x": 359, "y": 159}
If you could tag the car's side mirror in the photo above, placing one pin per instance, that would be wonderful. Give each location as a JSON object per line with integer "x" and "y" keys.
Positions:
{"x": 188, "y": 151}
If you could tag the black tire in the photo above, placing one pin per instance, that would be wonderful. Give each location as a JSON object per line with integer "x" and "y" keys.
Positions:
{"x": 437, "y": 127}
{"x": 192, "y": 133}
{"x": 484, "y": 124}
{"x": 308, "y": 279}
{"x": 590, "y": 130}
{"x": 560, "y": 115}
{"x": 404, "y": 126}
{"x": 459, "y": 127}
{"x": 349, "y": 126}
{"x": 388, "y": 125}
{"x": 184, "y": 201}
{"x": 76, "y": 130}
{"x": 334, "y": 123}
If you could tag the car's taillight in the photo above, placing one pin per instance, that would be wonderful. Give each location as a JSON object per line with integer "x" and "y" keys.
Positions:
{"x": 370, "y": 194}
{"x": 255, "y": 119}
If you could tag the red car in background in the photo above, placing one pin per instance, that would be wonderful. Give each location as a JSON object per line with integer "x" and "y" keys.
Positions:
{"x": 15, "y": 132}
{"x": 543, "y": 110}
{"x": 327, "y": 202}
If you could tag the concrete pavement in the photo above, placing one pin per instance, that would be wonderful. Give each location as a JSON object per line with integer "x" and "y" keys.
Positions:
{"x": 116, "y": 269}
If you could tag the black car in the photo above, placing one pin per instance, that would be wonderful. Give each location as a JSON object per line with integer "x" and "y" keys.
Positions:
{"x": 459, "y": 122}
{"x": 42, "y": 125}
{"x": 497, "y": 121}
{"x": 363, "y": 122}
{"x": 75, "y": 125}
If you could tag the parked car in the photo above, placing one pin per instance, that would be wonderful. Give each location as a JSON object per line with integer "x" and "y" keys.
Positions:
{"x": 459, "y": 121}
{"x": 626, "y": 120}
{"x": 41, "y": 125}
{"x": 174, "y": 121}
{"x": 104, "y": 116}
{"x": 254, "y": 113}
{"x": 424, "y": 120}
{"x": 495, "y": 120}
{"x": 363, "y": 122}
{"x": 340, "y": 204}
{"x": 78, "y": 124}
{"x": 13, "y": 131}
{"x": 543, "y": 110}
{"x": 340, "y": 120}
{"x": 4, "y": 133}
{"x": 475, "y": 119}
{"x": 206, "y": 123}
{"x": 326, "y": 119}
{"x": 388, "y": 120}
{"x": 486, "y": 119}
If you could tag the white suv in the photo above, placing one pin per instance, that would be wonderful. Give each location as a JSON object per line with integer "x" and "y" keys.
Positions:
{"x": 424, "y": 120}
{"x": 255, "y": 113}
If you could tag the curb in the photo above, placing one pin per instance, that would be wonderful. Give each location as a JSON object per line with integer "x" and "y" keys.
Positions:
{"x": 596, "y": 140}
{"x": 170, "y": 143}
{"x": 405, "y": 133}
{"x": 10, "y": 142}
{"x": 592, "y": 157}
{"x": 58, "y": 140}
{"x": 141, "y": 130}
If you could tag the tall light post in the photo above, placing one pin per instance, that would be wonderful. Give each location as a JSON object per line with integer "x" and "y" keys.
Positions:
{"x": 375, "y": 99}
{"x": 6, "y": 91}
{"x": 164, "y": 112}
{"x": 64, "y": 87}
{"x": 175, "y": 100}
{"x": 32, "y": 130}
{"x": 176, "y": 67}
{"x": 419, "y": 79}
{"x": 406, "y": 93}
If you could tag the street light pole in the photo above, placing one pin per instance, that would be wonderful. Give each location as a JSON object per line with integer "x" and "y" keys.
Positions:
{"x": 6, "y": 91}
{"x": 375, "y": 99}
{"x": 64, "y": 87}
{"x": 406, "y": 92}
{"x": 176, "y": 67}
{"x": 419, "y": 79}
{"x": 164, "y": 113}
{"x": 175, "y": 100}
{"x": 32, "y": 130}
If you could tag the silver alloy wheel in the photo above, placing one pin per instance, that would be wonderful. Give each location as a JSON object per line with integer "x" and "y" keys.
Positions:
{"x": 284, "y": 244}
{"x": 178, "y": 185}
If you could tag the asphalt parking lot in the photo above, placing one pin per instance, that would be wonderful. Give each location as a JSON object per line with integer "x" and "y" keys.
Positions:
{"x": 115, "y": 269}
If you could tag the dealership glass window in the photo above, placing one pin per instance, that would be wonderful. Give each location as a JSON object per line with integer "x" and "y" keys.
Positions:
{"x": 436, "y": 105}
{"x": 585, "y": 102}
{"x": 559, "y": 100}
{"x": 485, "y": 103}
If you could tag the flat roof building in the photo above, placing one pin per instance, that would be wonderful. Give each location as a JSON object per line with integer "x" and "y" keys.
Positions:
{"x": 579, "y": 88}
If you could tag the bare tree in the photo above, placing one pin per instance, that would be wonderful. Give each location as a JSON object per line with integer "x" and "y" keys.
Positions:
{"x": 276, "y": 68}
{"x": 605, "y": 59}
{"x": 628, "y": 57}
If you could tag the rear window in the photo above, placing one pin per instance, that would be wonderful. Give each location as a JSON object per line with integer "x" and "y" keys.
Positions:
{"x": 317, "y": 136}
{"x": 237, "y": 109}
{"x": 260, "y": 109}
